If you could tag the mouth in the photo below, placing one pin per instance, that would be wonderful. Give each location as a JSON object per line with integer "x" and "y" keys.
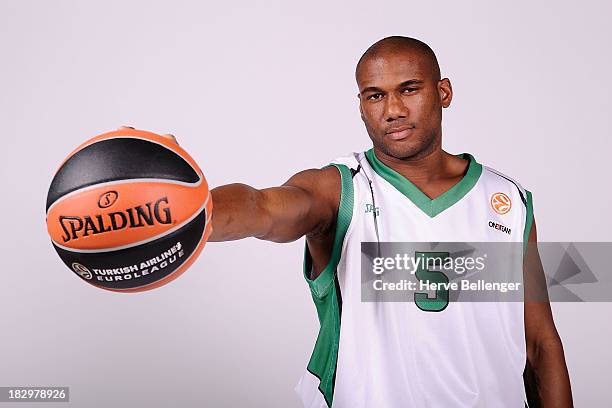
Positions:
{"x": 399, "y": 133}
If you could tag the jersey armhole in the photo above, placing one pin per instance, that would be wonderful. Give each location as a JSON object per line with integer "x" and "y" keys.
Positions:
{"x": 321, "y": 284}
{"x": 528, "y": 218}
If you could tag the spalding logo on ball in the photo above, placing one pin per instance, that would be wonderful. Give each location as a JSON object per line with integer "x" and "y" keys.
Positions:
{"x": 129, "y": 211}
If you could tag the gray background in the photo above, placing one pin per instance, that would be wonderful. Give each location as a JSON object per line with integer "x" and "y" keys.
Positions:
{"x": 256, "y": 91}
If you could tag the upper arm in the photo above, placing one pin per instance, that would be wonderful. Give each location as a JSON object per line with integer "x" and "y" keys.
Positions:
{"x": 304, "y": 204}
{"x": 539, "y": 325}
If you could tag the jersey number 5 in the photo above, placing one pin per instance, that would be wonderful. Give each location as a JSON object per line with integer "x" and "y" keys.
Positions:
{"x": 427, "y": 276}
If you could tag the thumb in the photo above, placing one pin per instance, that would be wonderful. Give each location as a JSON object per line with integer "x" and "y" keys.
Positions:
{"x": 170, "y": 136}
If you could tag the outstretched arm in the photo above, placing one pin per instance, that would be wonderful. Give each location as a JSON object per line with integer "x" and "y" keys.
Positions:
{"x": 546, "y": 378}
{"x": 303, "y": 205}
{"x": 306, "y": 204}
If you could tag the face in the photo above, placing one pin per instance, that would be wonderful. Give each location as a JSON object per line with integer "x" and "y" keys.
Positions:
{"x": 401, "y": 103}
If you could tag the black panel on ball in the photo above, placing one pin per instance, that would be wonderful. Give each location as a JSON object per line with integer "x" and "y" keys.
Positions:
{"x": 103, "y": 268}
{"x": 118, "y": 159}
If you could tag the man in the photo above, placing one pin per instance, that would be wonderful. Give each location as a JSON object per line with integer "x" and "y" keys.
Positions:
{"x": 406, "y": 188}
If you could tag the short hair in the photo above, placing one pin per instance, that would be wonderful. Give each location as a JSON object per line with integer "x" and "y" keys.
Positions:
{"x": 397, "y": 43}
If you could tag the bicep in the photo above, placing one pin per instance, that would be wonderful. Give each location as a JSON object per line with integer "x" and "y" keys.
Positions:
{"x": 539, "y": 325}
{"x": 303, "y": 204}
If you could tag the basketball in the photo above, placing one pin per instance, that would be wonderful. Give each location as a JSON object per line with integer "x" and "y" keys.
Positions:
{"x": 128, "y": 211}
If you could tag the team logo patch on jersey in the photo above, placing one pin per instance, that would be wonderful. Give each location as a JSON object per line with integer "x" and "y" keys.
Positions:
{"x": 369, "y": 208}
{"x": 501, "y": 203}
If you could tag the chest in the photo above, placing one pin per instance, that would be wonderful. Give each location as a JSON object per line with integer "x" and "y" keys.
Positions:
{"x": 488, "y": 212}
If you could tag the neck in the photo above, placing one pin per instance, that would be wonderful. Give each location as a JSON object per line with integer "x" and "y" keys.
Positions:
{"x": 433, "y": 174}
{"x": 424, "y": 167}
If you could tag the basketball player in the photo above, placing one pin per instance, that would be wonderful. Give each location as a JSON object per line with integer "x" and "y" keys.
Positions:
{"x": 386, "y": 355}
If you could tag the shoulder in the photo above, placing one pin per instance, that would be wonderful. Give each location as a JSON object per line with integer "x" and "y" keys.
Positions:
{"x": 331, "y": 186}
{"x": 322, "y": 187}
{"x": 504, "y": 191}
{"x": 498, "y": 180}
{"x": 331, "y": 176}
{"x": 352, "y": 161}
{"x": 323, "y": 180}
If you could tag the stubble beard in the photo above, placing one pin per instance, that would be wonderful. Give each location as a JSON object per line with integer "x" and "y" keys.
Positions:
{"x": 418, "y": 147}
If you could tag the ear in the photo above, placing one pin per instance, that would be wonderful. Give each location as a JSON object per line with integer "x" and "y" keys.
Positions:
{"x": 445, "y": 90}
{"x": 360, "y": 109}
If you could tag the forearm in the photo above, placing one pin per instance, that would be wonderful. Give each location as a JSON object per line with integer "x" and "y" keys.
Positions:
{"x": 237, "y": 213}
{"x": 547, "y": 379}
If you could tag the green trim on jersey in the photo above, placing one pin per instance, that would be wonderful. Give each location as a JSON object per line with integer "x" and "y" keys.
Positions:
{"x": 326, "y": 296}
{"x": 420, "y": 199}
{"x": 529, "y": 218}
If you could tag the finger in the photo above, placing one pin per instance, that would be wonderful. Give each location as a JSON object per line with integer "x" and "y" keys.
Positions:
{"x": 170, "y": 136}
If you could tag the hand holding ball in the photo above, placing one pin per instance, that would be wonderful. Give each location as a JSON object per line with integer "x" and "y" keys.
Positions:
{"x": 129, "y": 210}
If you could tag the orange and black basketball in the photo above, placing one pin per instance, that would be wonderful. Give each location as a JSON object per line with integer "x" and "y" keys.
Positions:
{"x": 129, "y": 210}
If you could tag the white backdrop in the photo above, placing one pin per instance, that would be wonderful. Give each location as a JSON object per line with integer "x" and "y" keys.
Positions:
{"x": 257, "y": 91}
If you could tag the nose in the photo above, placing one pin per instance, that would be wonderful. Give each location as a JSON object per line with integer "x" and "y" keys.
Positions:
{"x": 395, "y": 108}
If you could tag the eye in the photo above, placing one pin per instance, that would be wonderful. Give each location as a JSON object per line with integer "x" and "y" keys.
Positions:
{"x": 374, "y": 97}
{"x": 408, "y": 90}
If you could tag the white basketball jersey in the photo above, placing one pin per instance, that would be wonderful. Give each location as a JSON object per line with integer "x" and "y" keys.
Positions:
{"x": 393, "y": 354}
